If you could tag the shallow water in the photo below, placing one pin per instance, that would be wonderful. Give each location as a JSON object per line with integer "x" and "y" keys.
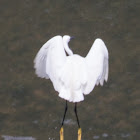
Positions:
{"x": 29, "y": 106}
{"x": 17, "y": 138}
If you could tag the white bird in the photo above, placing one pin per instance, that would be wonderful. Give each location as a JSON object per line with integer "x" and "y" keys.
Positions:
{"x": 73, "y": 76}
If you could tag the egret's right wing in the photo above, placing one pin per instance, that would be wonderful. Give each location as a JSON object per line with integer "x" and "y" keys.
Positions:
{"x": 97, "y": 65}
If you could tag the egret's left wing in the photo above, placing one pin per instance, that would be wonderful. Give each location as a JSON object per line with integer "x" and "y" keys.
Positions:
{"x": 97, "y": 65}
{"x": 50, "y": 58}
{"x": 40, "y": 62}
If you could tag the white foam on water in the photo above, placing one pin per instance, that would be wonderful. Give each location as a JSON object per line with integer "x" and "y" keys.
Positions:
{"x": 69, "y": 122}
{"x": 105, "y": 135}
{"x": 96, "y": 137}
{"x": 17, "y": 138}
{"x": 125, "y": 135}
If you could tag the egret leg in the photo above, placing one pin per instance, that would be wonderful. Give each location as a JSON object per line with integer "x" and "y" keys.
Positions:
{"x": 61, "y": 133}
{"x": 62, "y": 129}
{"x": 79, "y": 129}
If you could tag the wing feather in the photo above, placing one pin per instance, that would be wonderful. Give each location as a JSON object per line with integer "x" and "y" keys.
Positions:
{"x": 40, "y": 62}
{"x": 97, "y": 65}
{"x": 49, "y": 58}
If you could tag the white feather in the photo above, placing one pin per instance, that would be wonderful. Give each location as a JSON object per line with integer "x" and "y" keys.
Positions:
{"x": 72, "y": 76}
{"x": 73, "y": 79}
{"x": 97, "y": 65}
{"x": 50, "y": 59}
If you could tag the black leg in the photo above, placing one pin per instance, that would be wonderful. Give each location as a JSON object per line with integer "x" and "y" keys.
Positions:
{"x": 66, "y": 108}
{"x": 75, "y": 110}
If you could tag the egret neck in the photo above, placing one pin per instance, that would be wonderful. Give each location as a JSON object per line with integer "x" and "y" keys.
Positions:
{"x": 66, "y": 47}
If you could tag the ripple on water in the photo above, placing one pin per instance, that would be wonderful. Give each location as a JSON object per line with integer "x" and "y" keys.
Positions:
{"x": 69, "y": 122}
{"x": 105, "y": 135}
{"x": 125, "y": 135}
{"x": 96, "y": 137}
{"x": 17, "y": 138}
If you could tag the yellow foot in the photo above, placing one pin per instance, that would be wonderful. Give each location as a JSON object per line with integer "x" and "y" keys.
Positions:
{"x": 79, "y": 133}
{"x": 61, "y": 133}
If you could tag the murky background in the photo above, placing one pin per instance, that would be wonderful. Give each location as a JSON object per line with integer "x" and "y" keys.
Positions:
{"x": 29, "y": 106}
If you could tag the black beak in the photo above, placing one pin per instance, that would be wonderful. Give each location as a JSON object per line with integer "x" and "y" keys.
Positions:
{"x": 72, "y": 37}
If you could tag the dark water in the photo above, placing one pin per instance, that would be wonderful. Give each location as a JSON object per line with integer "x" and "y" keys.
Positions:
{"x": 29, "y": 106}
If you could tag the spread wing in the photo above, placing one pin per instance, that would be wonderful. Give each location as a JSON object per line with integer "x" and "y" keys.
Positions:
{"x": 97, "y": 65}
{"x": 49, "y": 58}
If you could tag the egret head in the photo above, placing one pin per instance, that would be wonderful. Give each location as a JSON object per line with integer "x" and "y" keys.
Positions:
{"x": 67, "y": 38}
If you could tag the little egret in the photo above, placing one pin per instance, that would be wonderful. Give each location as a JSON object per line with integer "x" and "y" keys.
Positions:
{"x": 72, "y": 75}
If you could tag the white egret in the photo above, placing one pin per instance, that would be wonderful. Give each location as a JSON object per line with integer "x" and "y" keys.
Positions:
{"x": 73, "y": 76}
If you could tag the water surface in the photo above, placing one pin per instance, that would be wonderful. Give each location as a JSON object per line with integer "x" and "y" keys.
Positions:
{"x": 29, "y": 106}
